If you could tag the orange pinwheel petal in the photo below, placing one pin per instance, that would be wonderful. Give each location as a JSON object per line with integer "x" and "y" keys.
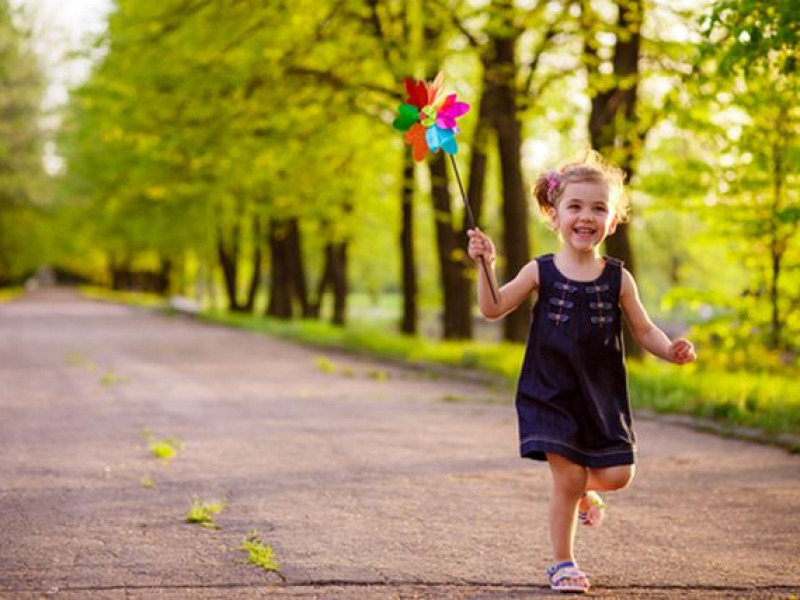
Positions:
{"x": 416, "y": 137}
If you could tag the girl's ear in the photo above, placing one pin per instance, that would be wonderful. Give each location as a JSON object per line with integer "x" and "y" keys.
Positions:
{"x": 552, "y": 218}
{"x": 613, "y": 227}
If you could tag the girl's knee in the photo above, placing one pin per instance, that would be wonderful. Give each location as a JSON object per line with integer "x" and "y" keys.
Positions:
{"x": 612, "y": 478}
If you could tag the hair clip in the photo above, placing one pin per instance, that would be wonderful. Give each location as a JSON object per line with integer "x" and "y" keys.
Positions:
{"x": 552, "y": 183}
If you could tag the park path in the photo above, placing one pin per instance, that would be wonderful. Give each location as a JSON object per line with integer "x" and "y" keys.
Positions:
{"x": 368, "y": 480}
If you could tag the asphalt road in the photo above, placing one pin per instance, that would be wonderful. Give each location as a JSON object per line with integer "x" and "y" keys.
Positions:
{"x": 367, "y": 480}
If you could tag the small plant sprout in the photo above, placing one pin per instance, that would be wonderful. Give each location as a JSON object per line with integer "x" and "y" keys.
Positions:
{"x": 78, "y": 360}
{"x": 165, "y": 448}
{"x": 259, "y": 553}
{"x": 110, "y": 378}
{"x": 325, "y": 364}
{"x": 378, "y": 374}
{"x": 204, "y": 513}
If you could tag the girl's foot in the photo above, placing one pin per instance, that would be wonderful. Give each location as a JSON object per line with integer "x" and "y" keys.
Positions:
{"x": 591, "y": 509}
{"x": 566, "y": 577}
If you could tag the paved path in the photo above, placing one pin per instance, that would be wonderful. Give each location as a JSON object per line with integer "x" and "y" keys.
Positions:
{"x": 369, "y": 481}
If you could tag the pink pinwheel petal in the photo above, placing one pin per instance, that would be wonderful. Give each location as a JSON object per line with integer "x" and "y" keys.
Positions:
{"x": 447, "y": 102}
{"x": 455, "y": 110}
{"x": 445, "y": 122}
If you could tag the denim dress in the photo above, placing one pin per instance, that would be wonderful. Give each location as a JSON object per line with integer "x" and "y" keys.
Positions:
{"x": 572, "y": 396}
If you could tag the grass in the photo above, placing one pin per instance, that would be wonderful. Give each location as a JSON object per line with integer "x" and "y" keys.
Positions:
{"x": 259, "y": 553}
{"x": 204, "y": 513}
{"x": 9, "y": 293}
{"x": 769, "y": 403}
{"x": 110, "y": 378}
{"x": 79, "y": 361}
{"x": 165, "y": 448}
{"x": 133, "y": 298}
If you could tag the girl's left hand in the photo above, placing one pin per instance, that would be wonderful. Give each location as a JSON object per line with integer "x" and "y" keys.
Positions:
{"x": 681, "y": 351}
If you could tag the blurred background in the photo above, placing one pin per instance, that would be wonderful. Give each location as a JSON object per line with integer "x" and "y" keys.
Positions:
{"x": 238, "y": 157}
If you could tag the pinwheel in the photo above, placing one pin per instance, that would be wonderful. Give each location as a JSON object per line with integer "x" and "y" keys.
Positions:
{"x": 429, "y": 120}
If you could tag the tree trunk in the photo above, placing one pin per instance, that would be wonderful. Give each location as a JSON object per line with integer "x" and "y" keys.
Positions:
{"x": 500, "y": 68}
{"x": 777, "y": 243}
{"x": 457, "y": 317}
{"x": 408, "y": 323}
{"x": 337, "y": 253}
{"x": 613, "y": 127}
{"x": 229, "y": 253}
{"x": 478, "y": 159}
{"x": 296, "y": 267}
{"x": 280, "y": 293}
{"x": 255, "y": 278}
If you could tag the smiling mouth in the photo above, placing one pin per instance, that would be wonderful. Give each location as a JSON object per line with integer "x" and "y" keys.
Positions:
{"x": 584, "y": 231}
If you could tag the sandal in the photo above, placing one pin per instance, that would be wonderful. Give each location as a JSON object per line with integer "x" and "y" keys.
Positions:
{"x": 592, "y": 516}
{"x": 567, "y": 570}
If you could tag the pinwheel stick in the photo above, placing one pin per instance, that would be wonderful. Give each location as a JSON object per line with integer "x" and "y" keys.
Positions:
{"x": 471, "y": 225}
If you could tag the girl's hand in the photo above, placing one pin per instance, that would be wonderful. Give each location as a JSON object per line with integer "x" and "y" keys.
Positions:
{"x": 480, "y": 244}
{"x": 681, "y": 351}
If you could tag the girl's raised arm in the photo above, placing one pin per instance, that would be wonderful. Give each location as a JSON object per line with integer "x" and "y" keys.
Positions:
{"x": 511, "y": 294}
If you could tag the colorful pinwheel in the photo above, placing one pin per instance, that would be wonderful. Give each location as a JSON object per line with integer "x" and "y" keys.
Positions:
{"x": 429, "y": 119}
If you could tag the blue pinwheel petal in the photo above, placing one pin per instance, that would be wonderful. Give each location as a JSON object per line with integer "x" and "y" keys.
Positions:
{"x": 449, "y": 143}
{"x": 433, "y": 139}
{"x": 436, "y": 138}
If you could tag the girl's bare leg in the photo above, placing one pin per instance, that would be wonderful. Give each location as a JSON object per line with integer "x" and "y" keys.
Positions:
{"x": 569, "y": 484}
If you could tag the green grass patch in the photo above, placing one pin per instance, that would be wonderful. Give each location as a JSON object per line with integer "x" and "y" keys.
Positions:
{"x": 165, "y": 448}
{"x": 79, "y": 361}
{"x": 763, "y": 401}
{"x": 259, "y": 553}
{"x": 9, "y": 293}
{"x": 131, "y": 298}
{"x": 325, "y": 364}
{"x": 204, "y": 513}
{"x": 110, "y": 378}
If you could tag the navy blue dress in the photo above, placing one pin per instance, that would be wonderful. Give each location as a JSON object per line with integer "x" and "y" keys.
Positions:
{"x": 572, "y": 396}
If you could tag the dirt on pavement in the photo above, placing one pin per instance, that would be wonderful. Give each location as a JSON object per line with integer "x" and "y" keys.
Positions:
{"x": 367, "y": 480}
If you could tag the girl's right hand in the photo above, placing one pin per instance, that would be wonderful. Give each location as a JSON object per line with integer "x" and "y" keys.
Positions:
{"x": 480, "y": 245}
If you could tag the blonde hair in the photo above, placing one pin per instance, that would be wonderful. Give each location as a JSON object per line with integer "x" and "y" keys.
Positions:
{"x": 591, "y": 166}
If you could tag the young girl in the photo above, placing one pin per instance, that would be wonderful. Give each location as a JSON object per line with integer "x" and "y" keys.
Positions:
{"x": 572, "y": 397}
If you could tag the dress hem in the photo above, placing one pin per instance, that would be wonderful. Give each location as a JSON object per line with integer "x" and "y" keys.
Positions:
{"x": 537, "y": 449}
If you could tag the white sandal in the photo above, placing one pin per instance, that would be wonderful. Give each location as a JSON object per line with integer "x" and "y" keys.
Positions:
{"x": 567, "y": 570}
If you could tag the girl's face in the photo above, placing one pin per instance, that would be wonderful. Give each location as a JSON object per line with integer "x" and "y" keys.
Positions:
{"x": 583, "y": 216}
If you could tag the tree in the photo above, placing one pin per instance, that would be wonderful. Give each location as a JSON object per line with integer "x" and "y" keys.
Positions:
{"x": 23, "y": 212}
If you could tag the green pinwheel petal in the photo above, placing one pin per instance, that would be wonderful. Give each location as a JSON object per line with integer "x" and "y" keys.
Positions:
{"x": 407, "y": 115}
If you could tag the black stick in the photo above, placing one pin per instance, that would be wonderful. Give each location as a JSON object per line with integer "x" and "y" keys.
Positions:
{"x": 471, "y": 225}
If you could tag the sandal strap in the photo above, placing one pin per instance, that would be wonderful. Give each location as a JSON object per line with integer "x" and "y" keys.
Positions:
{"x": 565, "y": 570}
{"x": 553, "y": 569}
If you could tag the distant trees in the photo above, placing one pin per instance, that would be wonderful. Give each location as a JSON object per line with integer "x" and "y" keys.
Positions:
{"x": 23, "y": 208}
{"x": 250, "y": 148}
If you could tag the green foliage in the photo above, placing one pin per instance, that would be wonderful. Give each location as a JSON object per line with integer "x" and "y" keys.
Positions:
{"x": 23, "y": 191}
{"x": 259, "y": 553}
{"x": 749, "y": 34}
{"x": 204, "y": 513}
{"x": 165, "y": 448}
